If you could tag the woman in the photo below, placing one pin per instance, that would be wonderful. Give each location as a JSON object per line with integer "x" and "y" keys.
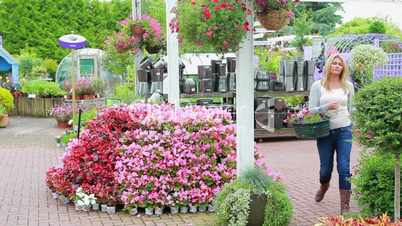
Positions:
{"x": 332, "y": 96}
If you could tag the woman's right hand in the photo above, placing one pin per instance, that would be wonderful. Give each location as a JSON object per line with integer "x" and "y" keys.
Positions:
{"x": 333, "y": 105}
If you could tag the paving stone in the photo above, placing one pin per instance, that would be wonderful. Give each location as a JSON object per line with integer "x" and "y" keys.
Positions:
{"x": 28, "y": 149}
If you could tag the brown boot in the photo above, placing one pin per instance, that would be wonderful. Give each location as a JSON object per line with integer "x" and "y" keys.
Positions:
{"x": 345, "y": 199}
{"x": 321, "y": 192}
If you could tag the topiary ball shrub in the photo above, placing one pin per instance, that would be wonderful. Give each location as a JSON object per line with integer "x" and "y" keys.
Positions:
{"x": 374, "y": 183}
{"x": 6, "y": 99}
{"x": 378, "y": 114}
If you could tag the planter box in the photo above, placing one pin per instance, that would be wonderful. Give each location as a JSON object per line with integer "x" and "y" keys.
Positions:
{"x": 36, "y": 107}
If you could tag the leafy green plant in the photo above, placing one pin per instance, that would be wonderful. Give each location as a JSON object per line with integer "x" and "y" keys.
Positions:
{"x": 3, "y": 110}
{"x": 377, "y": 26}
{"x": 42, "y": 88}
{"x": 374, "y": 183}
{"x": 86, "y": 116}
{"x": 6, "y": 99}
{"x": 278, "y": 210}
{"x": 293, "y": 101}
{"x": 302, "y": 26}
{"x": 269, "y": 60}
{"x": 364, "y": 59}
{"x": 362, "y": 26}
{"x": 67, "y": 137}
{"x": 125, "y": 93}
{"x": 378, "y": 117}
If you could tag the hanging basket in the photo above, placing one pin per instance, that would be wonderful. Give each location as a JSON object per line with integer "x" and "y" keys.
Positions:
{"x": 273, "y": 19}
{"x": 312, "y": 130}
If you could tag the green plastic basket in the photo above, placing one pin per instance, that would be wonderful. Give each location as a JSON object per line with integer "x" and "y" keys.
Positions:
{"x": 312, "y": 130}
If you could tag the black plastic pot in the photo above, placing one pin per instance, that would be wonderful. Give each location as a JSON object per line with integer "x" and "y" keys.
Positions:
{"x": 257, "y": 210}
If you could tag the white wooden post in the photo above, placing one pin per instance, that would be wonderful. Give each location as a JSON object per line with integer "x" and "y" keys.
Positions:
{"x": 245, "y": 101}
{"x": 136, "y": 14}
{"x": 173, "y": 89}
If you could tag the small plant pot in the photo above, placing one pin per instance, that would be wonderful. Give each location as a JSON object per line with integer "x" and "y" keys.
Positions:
{"x": 95, "y": 206}
{"x": 134, "y": 211}
{"x": 104, "y": 208}
{"x": 111, "y": 209}
{"x": 174, "y": 210}
{"x": 55, "y": 195}
{"x": 202, "y": 208}
{"x": 184, "y": 209}
{"x": 193, "y": 209}
{"x": 149, "y": 211}
{"x": 211, "y": 208}
{"x": 158, "y": 211}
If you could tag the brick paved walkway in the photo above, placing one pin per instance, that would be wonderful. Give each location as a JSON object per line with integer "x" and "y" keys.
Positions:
{"x": 27, "y": 149}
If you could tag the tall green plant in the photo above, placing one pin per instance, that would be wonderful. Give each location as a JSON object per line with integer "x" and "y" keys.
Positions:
{"x": 378, "y": 115}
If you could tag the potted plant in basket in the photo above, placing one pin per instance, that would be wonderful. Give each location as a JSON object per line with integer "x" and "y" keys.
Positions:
{"x": 63, "y": 114}
{"x": 308, "y": 125}
{"x": 6, "y": 105}
{"x": 274, "y": 14}
{"x": 218, "y": 25}
{"x": 144, "y": 33}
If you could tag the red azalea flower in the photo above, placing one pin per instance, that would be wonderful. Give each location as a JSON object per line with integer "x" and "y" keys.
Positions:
{"x": 207, "y": 13}
{"x": 217, "y": 8}
{"x": 246, "y": 26}
{"x": 216, "y": 1}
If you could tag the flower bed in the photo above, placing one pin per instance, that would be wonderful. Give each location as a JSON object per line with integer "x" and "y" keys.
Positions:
{"x": 149, "y": 155}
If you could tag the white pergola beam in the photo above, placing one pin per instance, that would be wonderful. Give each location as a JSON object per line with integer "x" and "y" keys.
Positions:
{"x": 173, "y": 89}
{"x": 245, "y": 102}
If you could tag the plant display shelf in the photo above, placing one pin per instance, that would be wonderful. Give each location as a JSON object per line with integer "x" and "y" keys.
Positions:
{"x": 260, "y": 134}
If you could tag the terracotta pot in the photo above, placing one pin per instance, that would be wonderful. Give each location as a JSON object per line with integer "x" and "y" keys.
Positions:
{"x": 62, "y": 125}
{"x": 4, "y": 120}
{"x": 273, "y": 19}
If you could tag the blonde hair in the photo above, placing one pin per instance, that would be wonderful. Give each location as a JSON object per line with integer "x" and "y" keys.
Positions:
{"x": 343, "y": 76}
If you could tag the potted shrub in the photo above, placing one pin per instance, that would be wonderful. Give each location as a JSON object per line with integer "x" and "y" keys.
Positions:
{"x": 274, "y": 14}
{"x": 253, "y": 199}
{"x": 6, "y": 105}
{"x": 216, "y": 25}
{"x": 63, "y": 114}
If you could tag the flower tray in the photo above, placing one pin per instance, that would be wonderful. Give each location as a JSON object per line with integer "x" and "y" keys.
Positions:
{"x": 312, "y": 130}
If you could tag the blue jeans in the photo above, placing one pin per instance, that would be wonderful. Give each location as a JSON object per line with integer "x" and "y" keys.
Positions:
{"x": 339, "y": 140}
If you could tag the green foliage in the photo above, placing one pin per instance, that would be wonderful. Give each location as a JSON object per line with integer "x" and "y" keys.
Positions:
{"x": 269, "y": 60}
{"x": 257, "y": 179}
{"x": 312, "y": 118}
{"x": 302, "y": 26}
{"x": 322, "y": 16}
{"x": 3, "y": 110}
{"x": 67, "y": 137}
{"x": 28, "y": 60}
{"x": 279, "y": 209}
{"x": 364, "y": 59}
{"x": 98, "y": 85}
{"x": 362, "y": 26}
{"x": 377, "y": 26}
{"x": 374, "y": 183}
{"x": 125, "y": 93}
{"x": 6, "y": 100}
{"x": 157, "y": 10}
{"x": 42, "y": 88}
{"x": 378, "y": 114}
{"x": 293, "y": 101}
{"x": 39, "y": 24}
{"x": 86, "y": 116}
{"x": 50, "y": 66}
